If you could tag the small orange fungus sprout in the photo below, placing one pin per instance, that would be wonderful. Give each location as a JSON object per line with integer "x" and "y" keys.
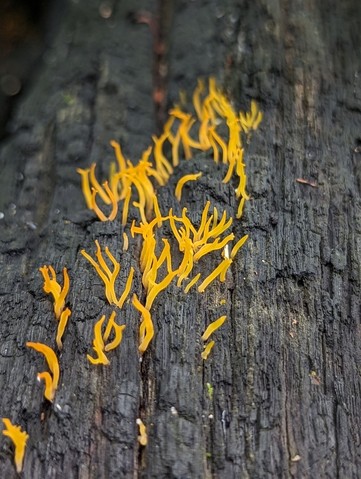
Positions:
{"x": 143, "y": 437}
{"x": 192, "y": 282}
{"x": 146, "y": 329}
{"x": 183, "y": 181}
{"x": 51, "y": 381}
{"x": 207, "y": 350}
{"x": 238, "y": 245}
{"x": 99, "y": 341}
{"x": 51, "y": 286}
{"x": 125, "y": 241}
{"x": 63, "y": 321}
{"x": 213, "y": 327}
{"x": 218, "y": 271}
{"x": 19, "y": 438}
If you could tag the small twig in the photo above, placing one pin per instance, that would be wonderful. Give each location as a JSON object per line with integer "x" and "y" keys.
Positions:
{"x": 307, "y": 182}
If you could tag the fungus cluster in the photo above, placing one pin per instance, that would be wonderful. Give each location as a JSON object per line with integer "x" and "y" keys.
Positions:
{"x": 183, "y": 132}
{"x": 51, "y": 286}
{"x": 100, "y": 339}
{"x": 213, "y": 126}
{"x": 108, "y": 277}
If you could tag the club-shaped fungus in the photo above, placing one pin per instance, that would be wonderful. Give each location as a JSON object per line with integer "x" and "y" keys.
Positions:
{"x": 98, "y": 344}
{"x": 117, "y": 332}
{"x": 192, "y": 282}
{"x": 125, "y": 241}
{"x": 163, "y": 167}
{"x": 19, "y": 439}
{"x": 143, "y": 437}
{"x": 112, "y": 200}
{"x": 146, "y": 328}
{"x": 96, "y": 186}
{"x": 213, "y": 327}
{"x": 85, "y": 186}
{"x": 213, "y": 126}
{"x": 100, "y": 339}
{"x": 155, "y": 288}
{"x": 223, "y": 266}
{"x": 238, "y": 245}
{"x": 51, "y": 381}
{"x": 220, "y": 129}
{"x": 183, "y": 181}
{"x": 63, "y": 321}
{"x": 108, "y": 277}
{"x": 51, "y": 286}
{"x": 207, "y": 349}
{"x": 252, "y": 119}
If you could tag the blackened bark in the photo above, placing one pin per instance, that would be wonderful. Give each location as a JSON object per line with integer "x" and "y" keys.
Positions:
{"x": 284, "y": 374}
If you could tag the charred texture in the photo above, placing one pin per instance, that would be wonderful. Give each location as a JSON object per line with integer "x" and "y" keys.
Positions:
{"x": 279, "y": 396}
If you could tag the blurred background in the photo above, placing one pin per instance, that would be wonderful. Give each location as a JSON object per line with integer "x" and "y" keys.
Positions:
{"x": 26, "y": 26}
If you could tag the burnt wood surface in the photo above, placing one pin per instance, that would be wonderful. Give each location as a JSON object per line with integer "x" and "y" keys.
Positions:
{"x": 285, "y": 371}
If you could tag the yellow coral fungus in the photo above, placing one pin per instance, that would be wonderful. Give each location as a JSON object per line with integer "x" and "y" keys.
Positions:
{"x": 221, "y": 227}
{"x": 126, "y": 291}
{"x": 241, "y": 188}
{"x": 157, "y": 212}
{"x": 104, "y": 272}
{"x": 126, "y": 206}
{"x": 240, "y": 208}
{"x": 63, "y": 321}
{"x": 156, "y": 288}
{"x": 216, "y": 245}
{"x": 125, "y": 241}
{"x": 252, "y": 119}
{"x": 163, "y": 167}
{"x": 118, "y": 333}
{"x": 238, "y": 245}
{"x": 96, "y": 185}
{"x": 232, "y": 164}
{"x": 19, "y": 439}
{"x": 175, "y": 147}
{"x": 112, "y": 200}
{"x": 207, "y": 350}
{"x": 143, "y": 437}
{"x": 212, "y": 109}
{"x": 51, "y": 286}
{"x": 192, "y": 282}
{"x": 119, "y": 155}
{"x": 99, "y": 339}
{"x": 182, "y": 181}
{"x": 213, "y": 327}
{"x": 51, "y": 382}
{"x": 85, "y": 186}
{"x": 223, "y": 266}
{"x": 146, "y": 329}
{"x": 108, "y": 277}
{"x": 214, "y": 138}
{"x": 98, "y": 344}
{"x": 186, "y": 265}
